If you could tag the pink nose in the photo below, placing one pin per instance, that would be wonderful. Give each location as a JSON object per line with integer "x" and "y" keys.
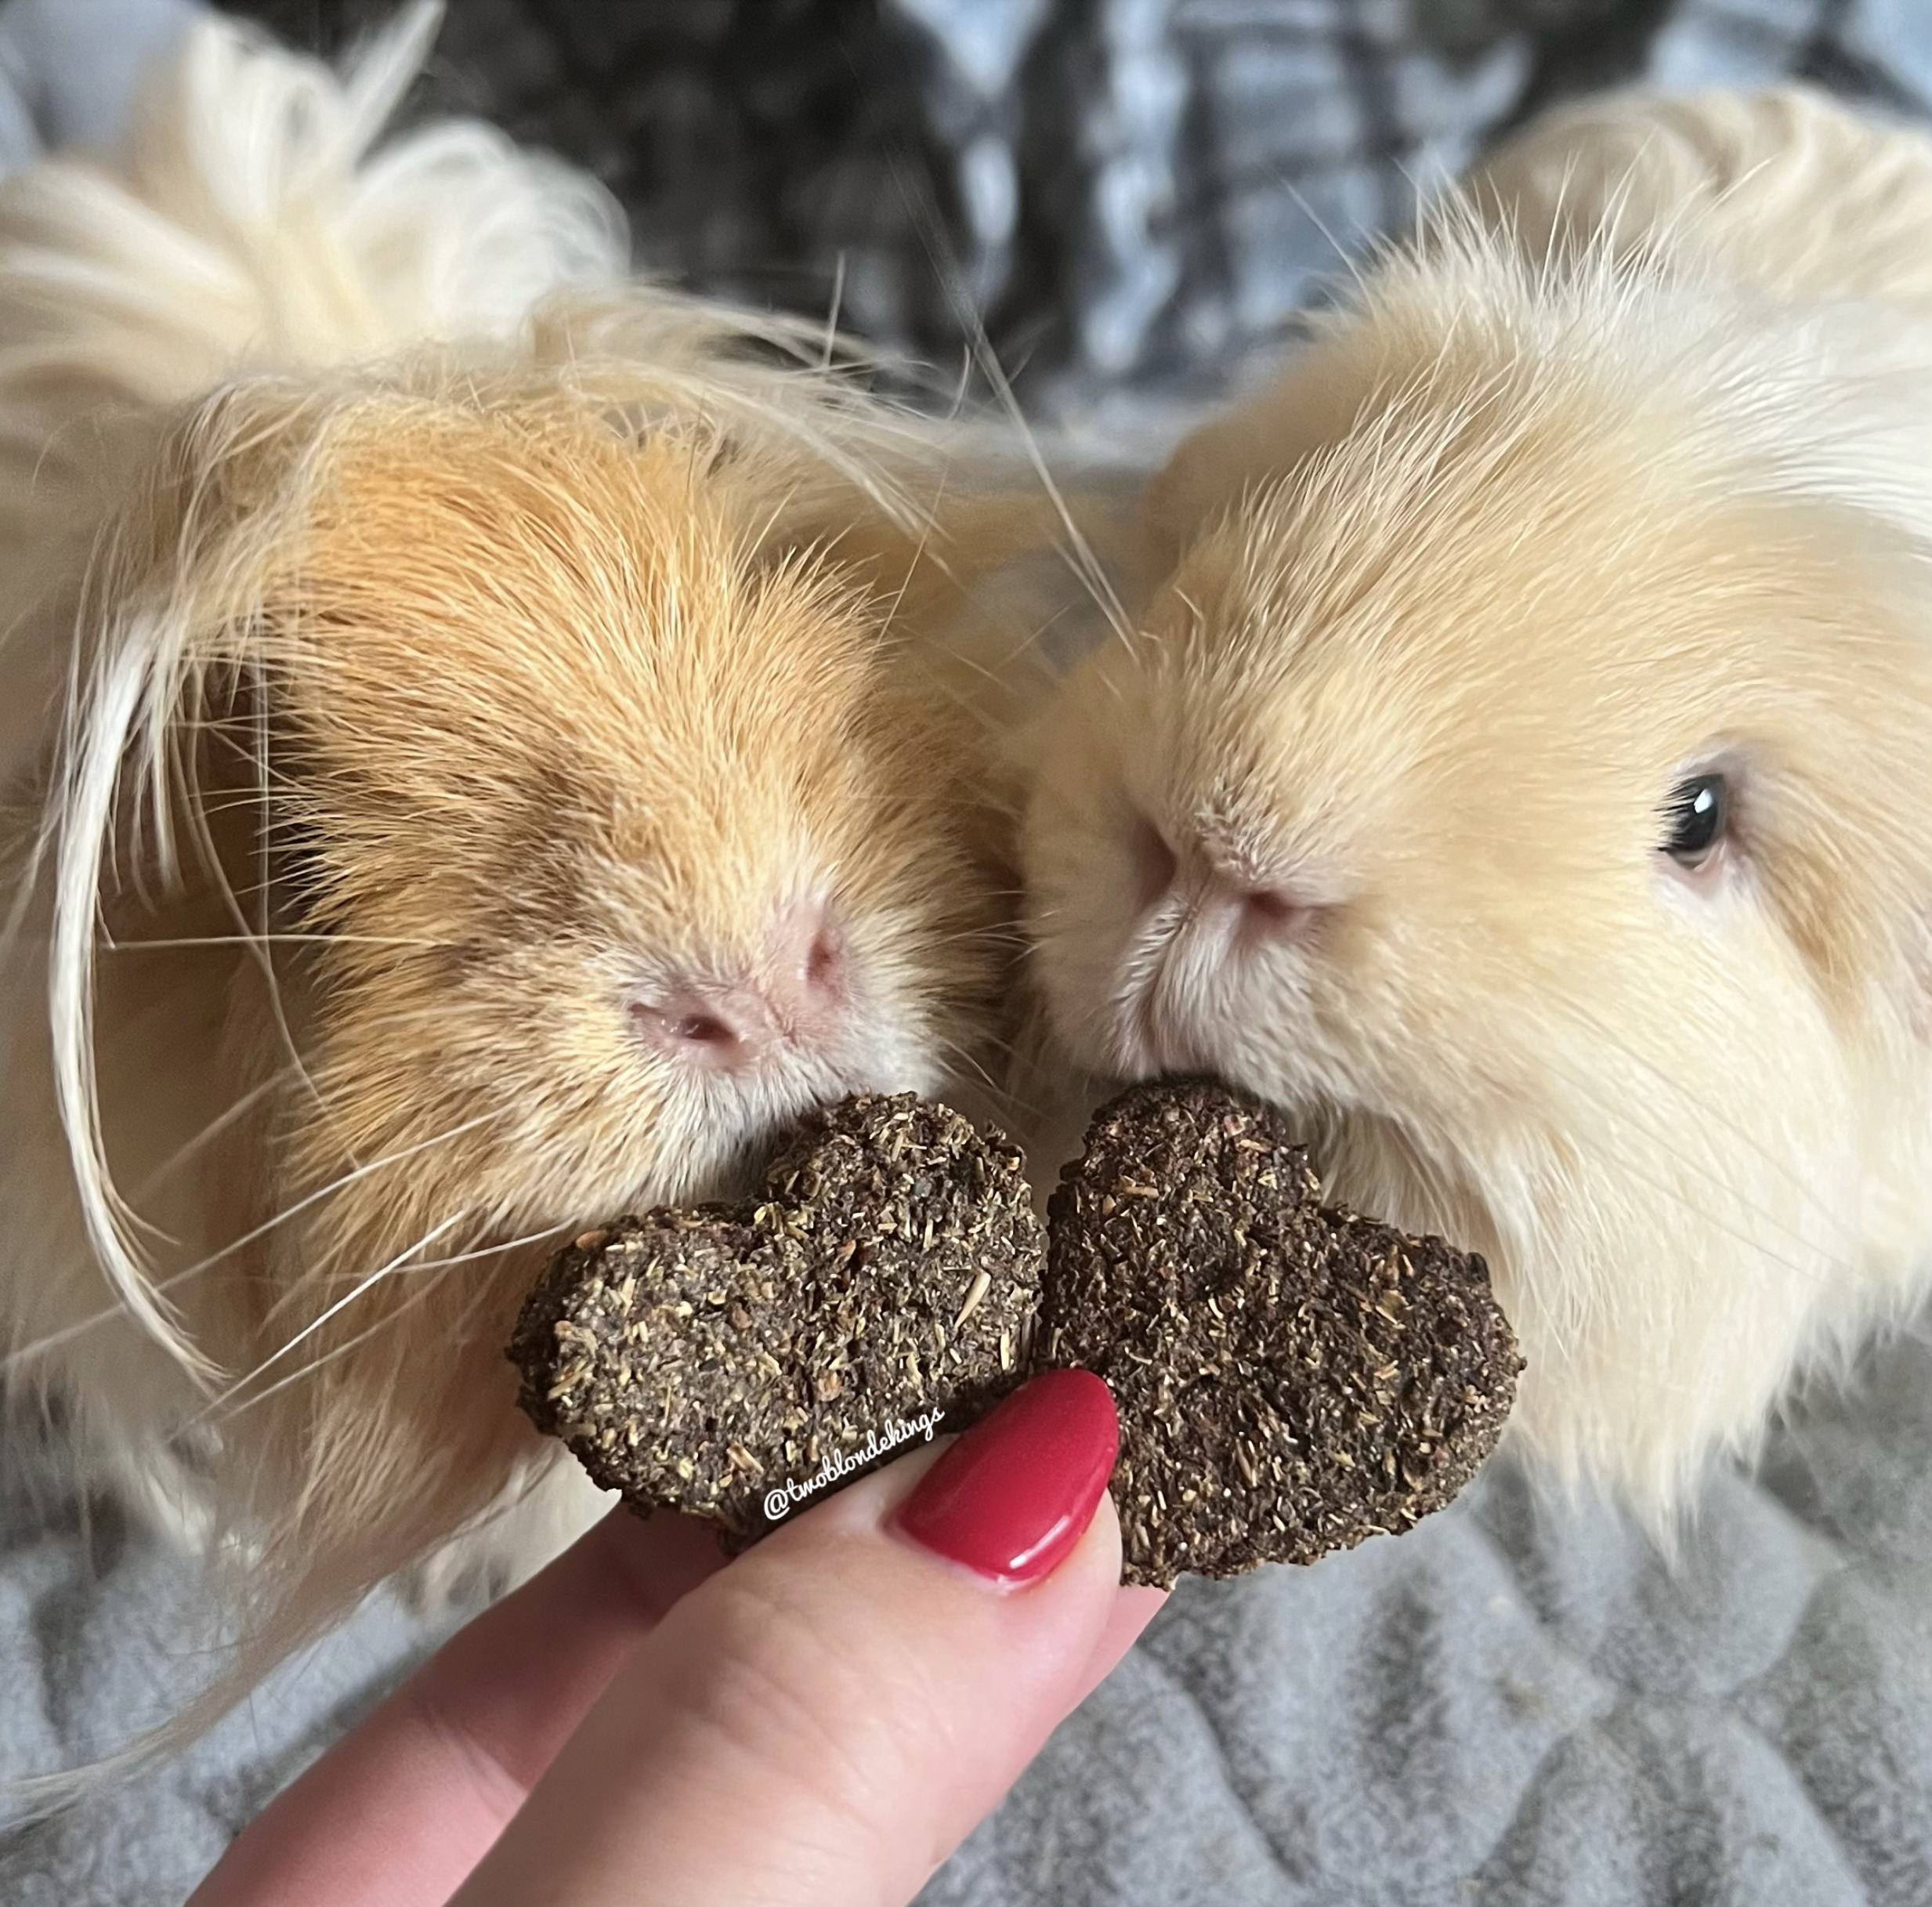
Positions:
{"x": 738, "y": 1014}
{"x": 1269, "y": 911}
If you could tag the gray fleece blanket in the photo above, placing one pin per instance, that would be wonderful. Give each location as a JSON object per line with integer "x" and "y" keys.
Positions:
{"x": 1519, "y": 1701}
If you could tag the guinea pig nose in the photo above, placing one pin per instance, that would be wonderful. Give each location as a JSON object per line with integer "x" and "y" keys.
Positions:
{"x": 709, "y": 1025}
{"x": 810, "y": 963}
{"x": 1156, "y": 864}
{"x": 1251, "y": 913}
{"x": 1274, "y": 913}
{"x": 733, "y": 1012}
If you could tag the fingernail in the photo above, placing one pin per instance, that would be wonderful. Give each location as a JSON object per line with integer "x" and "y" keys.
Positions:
{"x": 1018, "y": 1490}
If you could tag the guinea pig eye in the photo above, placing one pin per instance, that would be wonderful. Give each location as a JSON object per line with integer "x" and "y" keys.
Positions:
{"x": 1695, "y": 819}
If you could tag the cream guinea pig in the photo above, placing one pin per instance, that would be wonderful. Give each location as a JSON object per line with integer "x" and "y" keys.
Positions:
{"x": 1520, "y": 767}
{"x": 469, "y": 773}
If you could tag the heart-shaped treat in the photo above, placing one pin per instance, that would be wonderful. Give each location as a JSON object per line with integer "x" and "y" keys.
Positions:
{"x": 736, "y": 1361}
{"x": 1291, "y": 1378}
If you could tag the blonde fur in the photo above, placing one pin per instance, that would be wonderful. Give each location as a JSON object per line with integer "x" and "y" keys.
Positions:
{"x": 422, "y": 641}
{"x": 1621, "y": 471}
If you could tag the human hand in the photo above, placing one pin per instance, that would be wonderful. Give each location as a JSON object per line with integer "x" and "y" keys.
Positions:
{"x": 818, "y": 1724}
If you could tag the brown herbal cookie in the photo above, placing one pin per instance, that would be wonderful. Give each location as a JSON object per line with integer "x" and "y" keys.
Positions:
{"x": 736, "y": 1362}
{"x": 1291, "y": 1378}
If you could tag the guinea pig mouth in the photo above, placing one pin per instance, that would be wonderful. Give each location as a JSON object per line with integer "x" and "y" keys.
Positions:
{"x": 1157, "y": 1043}
{"x": 767, "y": 1109}
{"x": 1160, "y": 1021}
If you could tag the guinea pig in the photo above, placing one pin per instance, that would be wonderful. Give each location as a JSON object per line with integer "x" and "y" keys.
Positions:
{"x": 470, "y": 773}
{"x": 1520, "y": 767}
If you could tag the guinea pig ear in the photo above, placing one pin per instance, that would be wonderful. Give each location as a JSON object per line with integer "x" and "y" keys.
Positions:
{"x": 174, "y": 615}
{"x": 168, "y": 629}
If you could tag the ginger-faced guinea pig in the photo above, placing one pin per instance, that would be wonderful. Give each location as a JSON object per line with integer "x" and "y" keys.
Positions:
{"x": 1522, "y": 768}
{"x": 462, "y": 786}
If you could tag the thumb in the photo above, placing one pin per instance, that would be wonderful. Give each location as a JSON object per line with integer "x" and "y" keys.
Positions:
{"x": 822, "y": 1723}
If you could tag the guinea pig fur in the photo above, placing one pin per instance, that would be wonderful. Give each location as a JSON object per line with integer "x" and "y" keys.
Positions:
{"x": 1522, "y": 769}
{"x": 460, "y": 785}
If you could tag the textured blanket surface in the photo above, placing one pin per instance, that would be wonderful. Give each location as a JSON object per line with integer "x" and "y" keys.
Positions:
{"x": 1517, "y": 1702}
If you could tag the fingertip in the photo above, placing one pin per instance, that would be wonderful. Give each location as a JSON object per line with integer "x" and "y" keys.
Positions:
{"x": 1134, "y": 1605}
{"x": 1020, "y": 1491}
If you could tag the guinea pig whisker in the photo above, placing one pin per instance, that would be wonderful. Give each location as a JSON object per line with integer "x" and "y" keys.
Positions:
{"x": 919, "y": 556}
{"x": 23, "y": 1354}
{"x": 984, "y": 936}
{"x": 972, "y": 1060}
{"x": 834, "y": 305}
{"x": 310, "y": 1200}
{"x": 1644, "y": 1174}
{"x": 1344, "y": 256}
{"x": 290, "y": 1379}
{"x": 215, "y": 1127}
{"x": 263, "y": 953}
{"x": 436, "y": 1014}
{"x": 382, "y": 1271}
{"x": 252, "y": 933}
{"x": 993, "y": 1042}
{"x": 182, "y": 1154}
{"x": 1077, "y": 551}
{"x": 1705, "y": 1108}
{"x": 957, "y": 697}
{"x": 272, "y": 939}
{"x": 550, "y": 1234}
{"x": 1532, "y": 1294}
{"x": 1013, "y": 1105}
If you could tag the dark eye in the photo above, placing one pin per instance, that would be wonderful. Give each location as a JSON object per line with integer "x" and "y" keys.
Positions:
{"x": 1696, "y": 818}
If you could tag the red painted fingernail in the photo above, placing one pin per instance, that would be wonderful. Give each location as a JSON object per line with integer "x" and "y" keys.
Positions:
{"x": 1018, "y": 1490}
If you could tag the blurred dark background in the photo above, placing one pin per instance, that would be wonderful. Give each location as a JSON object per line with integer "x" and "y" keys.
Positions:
{"x": 1123, "y": 191}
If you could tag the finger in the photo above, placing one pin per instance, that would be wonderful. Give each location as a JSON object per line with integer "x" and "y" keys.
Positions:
{"x": 821, "y": 1724}
{"x": 406, "y": 1804}
{"x": 1135, "y": 1607}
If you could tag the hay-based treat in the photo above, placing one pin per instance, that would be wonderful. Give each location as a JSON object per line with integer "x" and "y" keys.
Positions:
{"x": 1290, "y": 1379}
{"x": 736, "y": 1361}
